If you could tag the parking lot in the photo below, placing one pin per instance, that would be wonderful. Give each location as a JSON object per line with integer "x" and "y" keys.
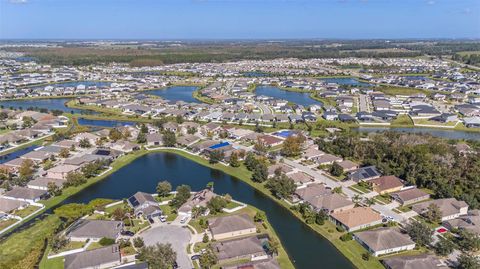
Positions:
{"x": 176, "y": 235}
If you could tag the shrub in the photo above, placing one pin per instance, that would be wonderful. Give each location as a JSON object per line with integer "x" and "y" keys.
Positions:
{"x": 138, "y": 242}
{"x": 106, "y": 241}
{"x": 346, "y": 237}
{"x": 366, "y": 256}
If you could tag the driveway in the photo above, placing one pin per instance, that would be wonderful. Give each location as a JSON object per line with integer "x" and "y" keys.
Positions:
{"x": 178, "y": 236}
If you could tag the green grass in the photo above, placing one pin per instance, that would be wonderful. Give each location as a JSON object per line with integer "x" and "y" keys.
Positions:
{"x": 402, "y": 120}
{"x": 393, "y": 90}
{"x": 138, "y": 225}
{"x": 435, "y": 123}
{"x": 26, "y": 211}
{"x": 168, "y": 210}
{"x": 23, "y": 249}
{"x": 5, "y": 223}
{"x": 232, "y": 205}
{"x": 166, "y": 198}
{"x": 71, "y": 245}
{"x": 94, "y": 245}
{"x": 55, "y": 263}
{"x": 360, "y": 188}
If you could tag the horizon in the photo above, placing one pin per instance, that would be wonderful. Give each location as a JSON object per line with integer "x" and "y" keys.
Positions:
{"x": 239, "y": 20}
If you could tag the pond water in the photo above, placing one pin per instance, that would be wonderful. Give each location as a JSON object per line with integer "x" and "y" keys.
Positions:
{"x": 346, "y": 81}
{"x": 449, "y": 134}
{"x": 306, "y": 248}
{"x": 299, "y": 98}
{"x": 104, "y": 123}
{"x": 10, "y": 156}
{"x": 176, "y": 93}
{"x": 50, "y": 104}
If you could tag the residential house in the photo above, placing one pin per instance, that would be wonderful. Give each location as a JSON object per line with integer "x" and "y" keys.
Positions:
{"x": 386, "y": 184}
{"x": 105, "y": 257}
{"x": 330, "y": 203}
{"x": 348, "y": 165}
{"x": 155, "y": 139}
{"x": 61, "y": 171}
{"x": 384, "y": 240}
{"x": 231, "y": 226}
{"x": 9, "y": 205}
{"x": 364, "y": 174}
{"x": 198, "y": 199}
{"x": 423, "y": 261}
{"x": 410, "y": 196}
{"x": 469, "y": 222}
{"x": 26, "y": 194}
{"x": 356, "y": 218}
{"x": 144, "y": 204}
{"x": 248, "y": 248}
{"x": 85, "y": 229}
{"x": 450, "y": 208}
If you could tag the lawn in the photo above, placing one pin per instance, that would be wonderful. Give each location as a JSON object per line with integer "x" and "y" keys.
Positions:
{"x": 383, "y": 199}
{"x": 168, "y": 210}
{"x": 358, "y": 188}
{"x": 138, "y": 225}
{"x": 55, "y": 263}
{"x": 24, "y": 248}
{"x": 26, "y": 211}
{"x": 94, "y": 245}
{"x": 434, "y": 123}
{"x": 71, "y": 245}
{"x": 394, "y": 90}
{"x": 402, "y": 120}
{"x": 232, "y": 205}
{"x": 166, "y": 198}
{"x": 5, "y": 223}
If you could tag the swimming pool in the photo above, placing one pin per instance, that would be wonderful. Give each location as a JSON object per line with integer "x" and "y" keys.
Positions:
{"x": 219, "y": 145}
{"x": 285, "y": 133}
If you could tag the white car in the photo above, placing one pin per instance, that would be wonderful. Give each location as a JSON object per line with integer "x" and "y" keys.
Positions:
{"x": 163, "y": 218}
{"x": 184, "y": 219}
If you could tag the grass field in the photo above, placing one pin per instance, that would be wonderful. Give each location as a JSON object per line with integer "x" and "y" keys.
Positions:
{"x": 26, "y": 211}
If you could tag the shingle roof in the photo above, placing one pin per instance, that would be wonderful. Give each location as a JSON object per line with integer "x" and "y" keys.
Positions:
{"x": 415, "y": 262}
{"x": 230, "y": 223}
{"x": 384, "y": 238}
{"x": 92, "y": 258}
{"x": 357, "y": 216}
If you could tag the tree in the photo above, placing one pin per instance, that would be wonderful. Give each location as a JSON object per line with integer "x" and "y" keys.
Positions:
{"x": 118, "y": 214}
{"x": 198, "y": 211}
{"x": 444, "y": 247}
{"x": 115, "y": 134}
{"x": 281, "y": 186}
{"x": 468, "y": 241}
{"x": 179, "y": 119}
{"x": 260, "y": 146}
{"x": 292, "y": 146}
{"x": 141, "y": 138}
{"x": 216, "y": 204}
{"x": 337, "y": 190}
{"x": 205, "y": 238}
{"x": 138, "y": 242}
{"x": 215, "y": 156}
{"x": 234, "y": 162}
{"x": 433, "y": 213}
{"x": 92, "y": 169}
{"x": 158, "y": 256}
{"x": 356, "y": 199}
{"x": 208, "y": 259}
{"x": 468, "y": 261}
{"x": 164, "y": 188}
{"x": 64, "y": 153}
{"x": 74, "y": 179}
{"x": 259, "y": 217}
{"x": 321, "y": 217}
{"x": 26, "y": 170}
{"x": 336, "y": 169}
{"x": 273, "y": 246}
{"x": 183, "y": 193}
{"x": 419, "y": 232}
{"x": 169, "y": 139}
{"x": 143, "y": 129}
{"x": 191, "y": 130}
{"x": 85, "y": 143}
{"x": 260, "y": 173}
{"x": 53, "y": 189}
{"x": 58, "y": 242}
{"x": 251, "y": 161}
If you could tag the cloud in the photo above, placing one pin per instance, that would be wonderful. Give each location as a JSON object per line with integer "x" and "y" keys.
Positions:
{"x": 18, "y": 1}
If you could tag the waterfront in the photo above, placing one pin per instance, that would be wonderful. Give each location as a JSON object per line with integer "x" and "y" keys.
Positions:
{"x": 143, "y": 174}
{"x": 176, "y": 93}
{"x": 50, "y": 104}
{"x": 346, "y": 82}
{"x": 104, "y": 123}
{"x": 448, "y": 134}
{"x": 299, "y": 98}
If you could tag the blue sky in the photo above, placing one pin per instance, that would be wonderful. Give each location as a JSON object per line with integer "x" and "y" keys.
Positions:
{"x": 243, "y": 19}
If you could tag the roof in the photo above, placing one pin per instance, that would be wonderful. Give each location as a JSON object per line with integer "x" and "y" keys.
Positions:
{"x": 415, "y": 262}
{"x": 448, "y": 206}
{"x": 95, "y": 228}
{"x": 25, "y": 193}
{"x": 357, "y": 216}
{"x": 311, "y": 191}
{"x": 140, "y": 198}
{"x": 387, "y": 182}
{"x": 238, "y": 247}
{"x": 8, "y": 205}
{"x": 384, "y": 238}
{"x": 200, "y": 198}
{"x": 230, "y": 223}
{"x": 346, "y": 164}
{"x": 65, "y": 168}
{"x": 300, "y": 177}
{"x": 410, "y": 194}
{"x": 92, "y": 258}
{"x": 364, "y": 173}
{"x": 327, "y": 158}
{"x": 43, "y": 182}
{"x": 329, "y": 202}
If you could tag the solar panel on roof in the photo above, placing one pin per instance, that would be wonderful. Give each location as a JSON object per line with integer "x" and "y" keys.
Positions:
{"x": 133, "y": 201}
{"x": 370, "y": 172}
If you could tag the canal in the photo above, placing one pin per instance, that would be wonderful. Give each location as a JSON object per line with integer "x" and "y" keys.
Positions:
{"x": 306, "y": 248}
{"x": 299, "y": 98}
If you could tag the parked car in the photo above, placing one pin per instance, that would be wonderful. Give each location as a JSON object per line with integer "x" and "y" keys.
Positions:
{"x": 151, "y": 220}
{"x": 127, "y": 233}
{"x": 195, "y": 257}
{"x": 184, "y": 219}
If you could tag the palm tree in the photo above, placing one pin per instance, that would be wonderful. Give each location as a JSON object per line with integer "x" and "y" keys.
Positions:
{"x": 356, "y": 199}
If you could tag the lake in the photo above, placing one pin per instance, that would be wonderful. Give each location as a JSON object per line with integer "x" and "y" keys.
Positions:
{"x": 13, "y": 155}
{"x": 176, "y": 93}
{"x": 50, "y": 104}
{"x": 299, "y": 98}
{"x": 104, "y": 123}
{"x": 449, "y": 134}
{"x": 346, "y": 81}
{"x": 306, "y": 248}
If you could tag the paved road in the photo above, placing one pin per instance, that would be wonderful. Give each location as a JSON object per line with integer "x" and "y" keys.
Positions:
{"x": 363, "y": 103}
{"x": 178, "y": 236}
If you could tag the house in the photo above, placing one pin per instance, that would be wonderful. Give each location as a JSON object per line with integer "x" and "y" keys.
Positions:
{"x": 386, "y": 184}
{"x": 187, "y": 140}
{"x": 125, "y": 146}
{"x": 311, "y": 190}
{"x": 301, "y": 177}
{"x": 326, "y": 159}
{"x": 200, "y": 198}
{"x": 280, "y": 167}
{"x": 364, "y": 174}
{"x": 356, "y": 218}
{"x": 144, "y": 204}
{"x": 348, "y": 165}
{"x": 312, "y": 152}
{"x": 105, "y": 257}
{"x": 36, "y": 156}
{"x": 26, "y": 194}
{"x": 423, "y": 261}
{"x": 450, "y": 208}
{"x": 248, "y": 248}
{"x": 330, "y": 203}
{"x": 231, "y": 226}
{"x": 9, "y": 205}
{"x": 410, "y": 196}
{"x": 41, "y": 183}
{"x": 154, "y": 139}
{"x": 88, "y": 136}
{"x": 470, "y": 222}
{"x": 85, "y": 229}
{"x": 270, "y": 141}
{"x": 171, "y": 126}
{"x": 61, "y": 171}
{"x": 384, "y": 240}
